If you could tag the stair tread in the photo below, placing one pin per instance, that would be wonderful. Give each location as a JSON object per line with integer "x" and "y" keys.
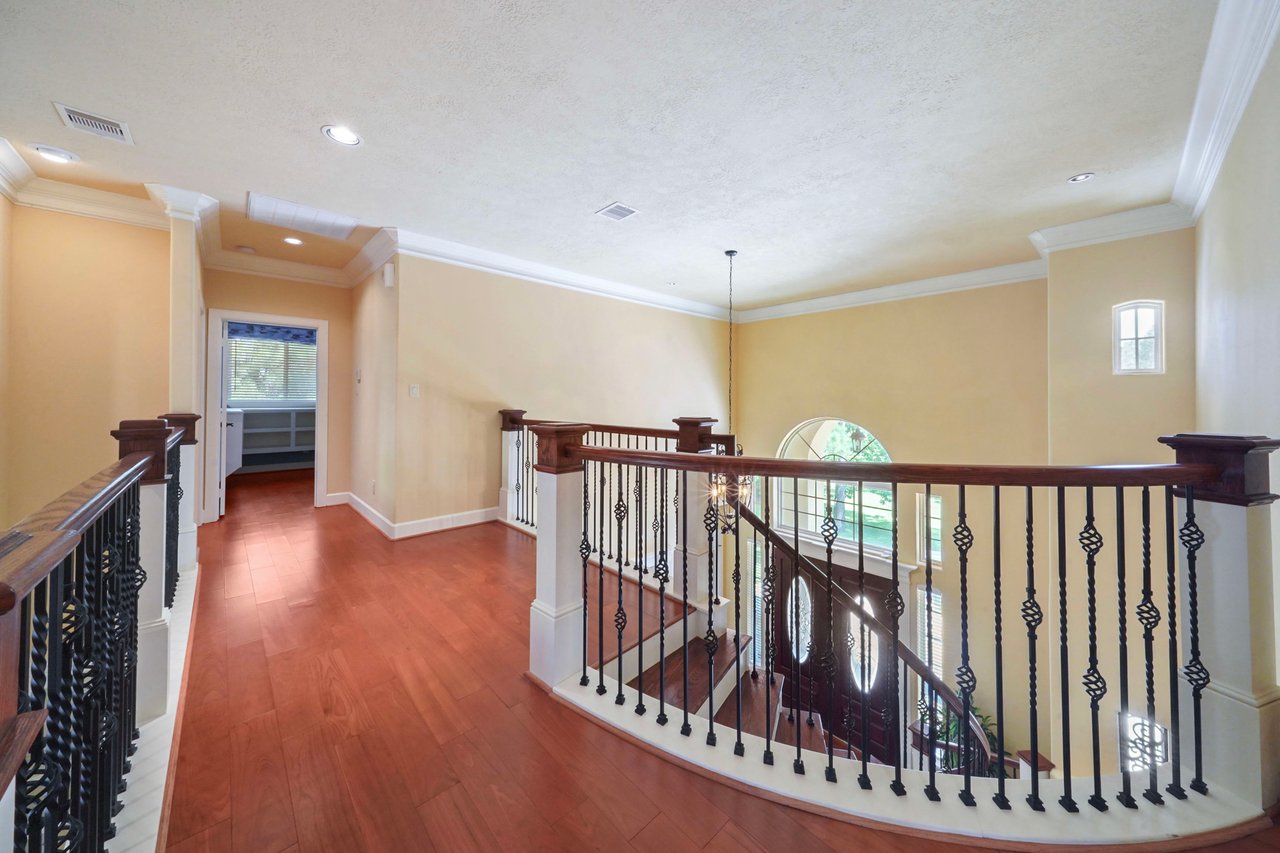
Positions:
{"x": 811, "y": 737}
{"x": 754, "y": 691}
{"x": 726, "y": 650}
{"x": 631, "y": 598}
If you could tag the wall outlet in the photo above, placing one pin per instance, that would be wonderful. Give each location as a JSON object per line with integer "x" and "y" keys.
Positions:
{"x": 373, "y": 486}
{"x": 415, "y": 391}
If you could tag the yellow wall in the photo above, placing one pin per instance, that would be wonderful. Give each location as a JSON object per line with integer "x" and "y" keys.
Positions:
{"x": 6, "y": 257}
{"x": 89, "y": 346}
{"x": 374, "y": 463}
{"x": 1238, "y": 320}
{"x": 476, "y": 342}
{"x": 262, "y": 295}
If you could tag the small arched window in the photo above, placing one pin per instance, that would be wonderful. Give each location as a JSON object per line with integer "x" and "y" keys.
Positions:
{"x": 1138, "y": 337}
{"x": 806, "y": 501}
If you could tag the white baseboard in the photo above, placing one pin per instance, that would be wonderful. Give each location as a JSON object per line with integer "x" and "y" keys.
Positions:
{"x": 417, "y": 527}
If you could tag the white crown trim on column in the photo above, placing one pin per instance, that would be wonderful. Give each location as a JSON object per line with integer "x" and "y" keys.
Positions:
{"x": 181, "y": 204}
{"x": 1138, "y": 222}
{"x": 990, "y": 277}
{"x": 457, "y": 254}
{"x": 380, "y": 248}
{"x": 14, "y": 171}
{"x": 1243, "y": 34}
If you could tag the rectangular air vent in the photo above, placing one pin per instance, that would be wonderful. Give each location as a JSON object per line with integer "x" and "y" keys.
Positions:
{"x": 107, "y": 128}
{"x": 617, "y": 211}
{"x": 299, "y": 217}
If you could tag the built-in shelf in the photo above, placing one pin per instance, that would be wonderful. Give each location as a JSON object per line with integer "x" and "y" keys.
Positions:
{"x": 278, "y": 430}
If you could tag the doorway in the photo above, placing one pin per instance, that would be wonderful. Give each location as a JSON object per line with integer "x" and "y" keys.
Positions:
{"x": 267, "y": 401}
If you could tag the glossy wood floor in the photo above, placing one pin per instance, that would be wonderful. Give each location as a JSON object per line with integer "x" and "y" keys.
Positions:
{"x": 348, "y": 693}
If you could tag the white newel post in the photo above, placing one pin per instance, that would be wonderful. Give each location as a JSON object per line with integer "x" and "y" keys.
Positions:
{"x": 555, "y": 617}
{"x": 153, "y": 618}
{"x": 512, "y": 427}
{"x": 1235, "y": 617}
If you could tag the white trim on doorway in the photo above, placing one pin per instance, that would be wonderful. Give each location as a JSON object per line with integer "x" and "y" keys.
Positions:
{"x": 218, "y": 318}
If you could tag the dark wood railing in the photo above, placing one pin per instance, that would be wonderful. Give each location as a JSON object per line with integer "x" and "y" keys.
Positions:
{"x": 70, "y": 574}
{"x": 633, "y": 494}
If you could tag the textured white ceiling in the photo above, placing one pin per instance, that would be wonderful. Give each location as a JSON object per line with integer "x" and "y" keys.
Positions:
{"x": 838, "y": 146}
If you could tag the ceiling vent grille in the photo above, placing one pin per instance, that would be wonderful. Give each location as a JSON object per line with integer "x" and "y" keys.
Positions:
{"x": 617, "y": 211}
{"x": 107, "y": 128}
{"x": 299, "y": 217}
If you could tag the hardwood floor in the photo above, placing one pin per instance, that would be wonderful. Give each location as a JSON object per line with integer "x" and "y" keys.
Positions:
{"x": 349, "y": 693}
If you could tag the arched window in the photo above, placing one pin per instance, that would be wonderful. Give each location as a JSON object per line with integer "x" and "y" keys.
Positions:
{"x": 806, "y": 501}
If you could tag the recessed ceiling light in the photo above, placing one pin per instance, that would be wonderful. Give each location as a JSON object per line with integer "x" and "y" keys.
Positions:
{"x": 248, "y": 250}
{"x": 293, "y": 241}
{"x": 54, "y": 154}
{"x": 341, "y": 134}
{"x": 1080, "y": 178}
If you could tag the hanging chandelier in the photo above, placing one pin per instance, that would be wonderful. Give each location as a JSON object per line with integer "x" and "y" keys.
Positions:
{"x": 728, "y": 490}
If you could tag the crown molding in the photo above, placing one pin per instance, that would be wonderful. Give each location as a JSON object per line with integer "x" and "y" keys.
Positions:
{"x": 1243, "y": 34}
{"x": 14, "y": 171}
{"x": 1124, "y": 225}
{"x": 989, "y": 277}
{"x": 457, "y": 254}
{"x": 82, "y": 201}
{"x": 181, "y": 204}
{"x": 239, "y": 262}
{"x": 379, "y": 249}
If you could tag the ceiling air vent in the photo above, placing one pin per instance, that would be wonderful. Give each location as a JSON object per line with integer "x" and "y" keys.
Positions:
{"x": 617, "y": 211}
{"x": 95, "y": 124}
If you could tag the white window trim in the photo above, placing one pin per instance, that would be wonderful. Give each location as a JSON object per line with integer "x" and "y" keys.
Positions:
{"x": 922, "y": 531}
{"x": 1116, "y": 311}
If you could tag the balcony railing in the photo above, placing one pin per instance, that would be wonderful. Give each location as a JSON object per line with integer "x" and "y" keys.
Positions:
{"x": 1078, "y": 627}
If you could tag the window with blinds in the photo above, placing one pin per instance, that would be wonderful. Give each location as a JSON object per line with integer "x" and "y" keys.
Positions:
{"x": 270, "y": 370}
{"x": 929, "y": 643}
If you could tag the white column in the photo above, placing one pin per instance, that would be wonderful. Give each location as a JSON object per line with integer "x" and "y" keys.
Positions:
{"x": 555, "y": 618}
{"x": 693, "y": 505}
{"x": 153, "y": 617}
{"x": 187, "y": 551}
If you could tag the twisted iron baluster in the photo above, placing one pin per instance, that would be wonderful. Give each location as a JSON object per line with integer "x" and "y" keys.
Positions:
{"x": 662, "y": 574}
{"x": 640, "y": 543}
{"x": 685, "y": 728}
{"x": 1000, "y": 798}
{"x": 620, "y": 615}
{"x": 519, "y": 476}
{"x": 930, "y": 790}
{"x": 962, "y": 536}
{"x": 1125, "y": 797}
{"x": 1094, "y": 684}
{"x": 602, "y": 526}
{"x": 828, "y": 663}
{"x": 711, "y": 521}
{"x": 1196, "y": 673}
{"x": 793, "y": 596}
{"x": 768, "y": 591}
{"x": 1149, "y": 618}
{"x": 895, "y": 606}
{"x": 1065, "y": 800}
{"x": 755, "y": 587}
{"x": 37, "y": 780}
{"x": 584, "y": 550}
{"x": 864, "y": 779}
{"x": 1174, "y": 788}
{"x": 1032, "y": 616}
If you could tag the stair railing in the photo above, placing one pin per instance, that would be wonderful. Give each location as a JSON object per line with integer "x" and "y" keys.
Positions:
{"x": 73, "y": 590}
{"x": 1134, "y": 526}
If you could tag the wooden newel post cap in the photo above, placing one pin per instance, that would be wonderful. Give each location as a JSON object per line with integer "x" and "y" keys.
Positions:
{"x": 693, "y": 434}
{"x": 512, "y": 419}
{"x": 555, "y": 443}
{"x": 145, "y": 436}
{"x": 188, "y": 423}
{"x": 1246, "y": 479}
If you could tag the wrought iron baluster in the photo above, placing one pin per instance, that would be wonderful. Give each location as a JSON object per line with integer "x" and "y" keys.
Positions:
{"x": 828, "y": 663}
{"x": 755, "y": 589}
{"x": 602, "y": 488}
{"x": 1064, "y": 680}
{"x": 930, "y": 790}
{"x": 1094, "y": 684}
{"x": 793, "y": 603}
{"x": 1000, "y": 798}
{"x": 962, "y": 536}
{"x": 738, "y": 747}
{"x": 520, "y": 475}
{"x": 584, "y": 549}
{"x": 896, "y": 606}
{"x": 1196, "y": 673}
{"x": 1174, "y": 788}
{"x": 662, "y": 574}
{"x": 768, "y": 591}
{"x": 864, "y": 779}
{"x": 173, "y": 496}
{"x": 620, "y": 615}
{"x": 622, "y": 530}
{"x": 640, "y": 554}
{"x": 1125, "y": 797}
{"x": 685, "y": 728}
{"x": 1149, "y": 618}
{"x": 1032, "y": 616}
{"x": 711, "y": 522}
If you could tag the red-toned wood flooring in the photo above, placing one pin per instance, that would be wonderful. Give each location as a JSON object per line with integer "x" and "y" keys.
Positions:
{"x": 349, "y": 693}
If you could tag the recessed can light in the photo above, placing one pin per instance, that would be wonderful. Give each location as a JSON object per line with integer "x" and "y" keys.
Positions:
{"x": 1080, "y": 178}
{"x": 293, "y": 241}
{"x": 54, "y": 154}
{"x": 341, "y": 134}
{"x": 248, "y": 250}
